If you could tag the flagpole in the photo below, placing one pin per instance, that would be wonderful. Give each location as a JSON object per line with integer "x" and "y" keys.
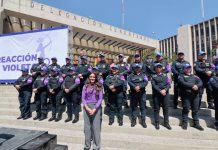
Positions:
{"x": 202, "y": 9}
{"x": 123, "y": 14}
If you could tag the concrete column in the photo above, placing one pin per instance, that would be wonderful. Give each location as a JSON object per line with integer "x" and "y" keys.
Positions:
{"x": 26, "y": 25}
{"x": 2, "y": 17}
{"x": 215, "y": 28}
{"x": 184, "y": 41}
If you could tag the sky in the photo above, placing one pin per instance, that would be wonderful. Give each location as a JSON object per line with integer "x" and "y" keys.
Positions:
{"x": 152, "y": 18}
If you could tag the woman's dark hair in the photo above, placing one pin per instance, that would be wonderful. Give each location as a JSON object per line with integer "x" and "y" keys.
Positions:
{"x": 98, "y": 87}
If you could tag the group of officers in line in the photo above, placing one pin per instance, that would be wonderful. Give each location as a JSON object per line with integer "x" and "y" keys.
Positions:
{"x": 56, "y": 83}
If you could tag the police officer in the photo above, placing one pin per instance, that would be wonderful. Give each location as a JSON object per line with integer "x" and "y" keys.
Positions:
{"x": 83, "y": 70}
{"x": 148, "y": 64}
{"x": 190, "y": 85}
{"x": 161, "y": 60}
{"x": 24, "y": 87}
{"x": 124, "y": 69}
{"x": 41, "y": 94}
{"x": 71, "y": 91}
{"x": 137, "y": 61}
{"x": 204, "y": 70}
{"x": 35, "y": 69}
{"x": 53, "y": 64}
{"x": 177, "y": 70}
{"x": 160, "y": 85}
{"x": 114, "y": 84}
{"x": 65, "y": 68}
{"x": 213, "y": 82}
{"x": 104, "y": 68}
{"x": 137, "y": 82}
{"x": 56, "y": 94}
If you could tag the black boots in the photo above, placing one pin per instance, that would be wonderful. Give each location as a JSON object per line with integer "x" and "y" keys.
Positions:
{"x": 111, "y": 121}
{"x": 198, "y": 126}
{"x": 69, "y": 118}
{"x": 76, "y": 119}
{"x": 37, "y": 116}
{"x": 20, "y": 117}
{"x": 52, "y": 118}
{"x": 59, "y": 117}
{"x": 42, "y": 117}
{"x": 157, "y": 125}
{"x": 184, "y": 126}
{"x": 144, "y": 125}
{"x": 133, "y": 122}
{"x": 120, "y": 121}
{"x": 167, "y": 125}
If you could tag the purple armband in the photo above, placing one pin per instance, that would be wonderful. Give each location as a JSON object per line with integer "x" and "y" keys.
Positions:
{"x": 168, "y": 68}
{"x": 46, "y": 81}
{"x": 30, "y": 80}
{"x": 61, "y": 79}
{"x": 77, "y": 81}
{"x": 127, "y": 68}
{"x": 90, "y": 69}
{"x": 145, "y": 78}
{"x": 122, "y": 78}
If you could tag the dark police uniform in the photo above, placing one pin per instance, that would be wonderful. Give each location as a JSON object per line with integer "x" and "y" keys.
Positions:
{"x": 104, "y": 68}
{"x": 54, "y": 84}
{"x": 50, "y": 67}
{"x": 36, "y": 68}
{"x": 177, "y": 69}
{"x": 115, "y": 98}
{"x": 165, "y": 66}
{"x": 65, "y": 69}
{"x": 25, "y": 93}
{"x": 140, "y": 63}
{"x": 161, "y": 82}
{"x": 72, "y": 83}
{"x": 190, "y": 98}
{"x": 148, "y": 64}
{"x": 41, "y": 95}
{"x": 201, "y": 68}
{"x": 138, "y": 98}
{"x": 213, "y": 82}
{"x": 124, "y": 69}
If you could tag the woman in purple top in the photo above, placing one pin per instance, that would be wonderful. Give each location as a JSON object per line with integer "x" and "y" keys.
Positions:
{"x": 92, "y": 95}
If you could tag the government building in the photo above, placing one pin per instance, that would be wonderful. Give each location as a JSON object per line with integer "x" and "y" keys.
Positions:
{"x": 86, "y": 35}
{"x": 192, "y": 38}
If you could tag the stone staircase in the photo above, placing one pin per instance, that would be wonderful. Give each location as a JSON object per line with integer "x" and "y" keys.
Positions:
{"x": 115, "y": 137}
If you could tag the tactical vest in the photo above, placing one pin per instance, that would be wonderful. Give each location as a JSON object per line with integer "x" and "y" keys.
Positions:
{"x": 69, "y": 81}
{"x": 160, "y": 80}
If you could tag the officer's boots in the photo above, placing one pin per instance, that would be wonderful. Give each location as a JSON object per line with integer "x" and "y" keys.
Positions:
{"x": 133, "y": 122}
{"x": 120, "y": 121}
{"x": 216, "y": 125}
{"x": 167, "y": 125}
{"x": 157, "y": 125}
{"x": 76, "y": 119}
{"x": 111, "y": 121}
{"x": 198, "y": 126}
{"x": 144, "y": 125}
{"x": 43, "y": 116}
{"x": 52, "y": 118}
{"x": 58, "y": 117}
{"x": 184, "y": 126}
{"x": 38, "y": 115}
{"x": 69, "y": 118}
